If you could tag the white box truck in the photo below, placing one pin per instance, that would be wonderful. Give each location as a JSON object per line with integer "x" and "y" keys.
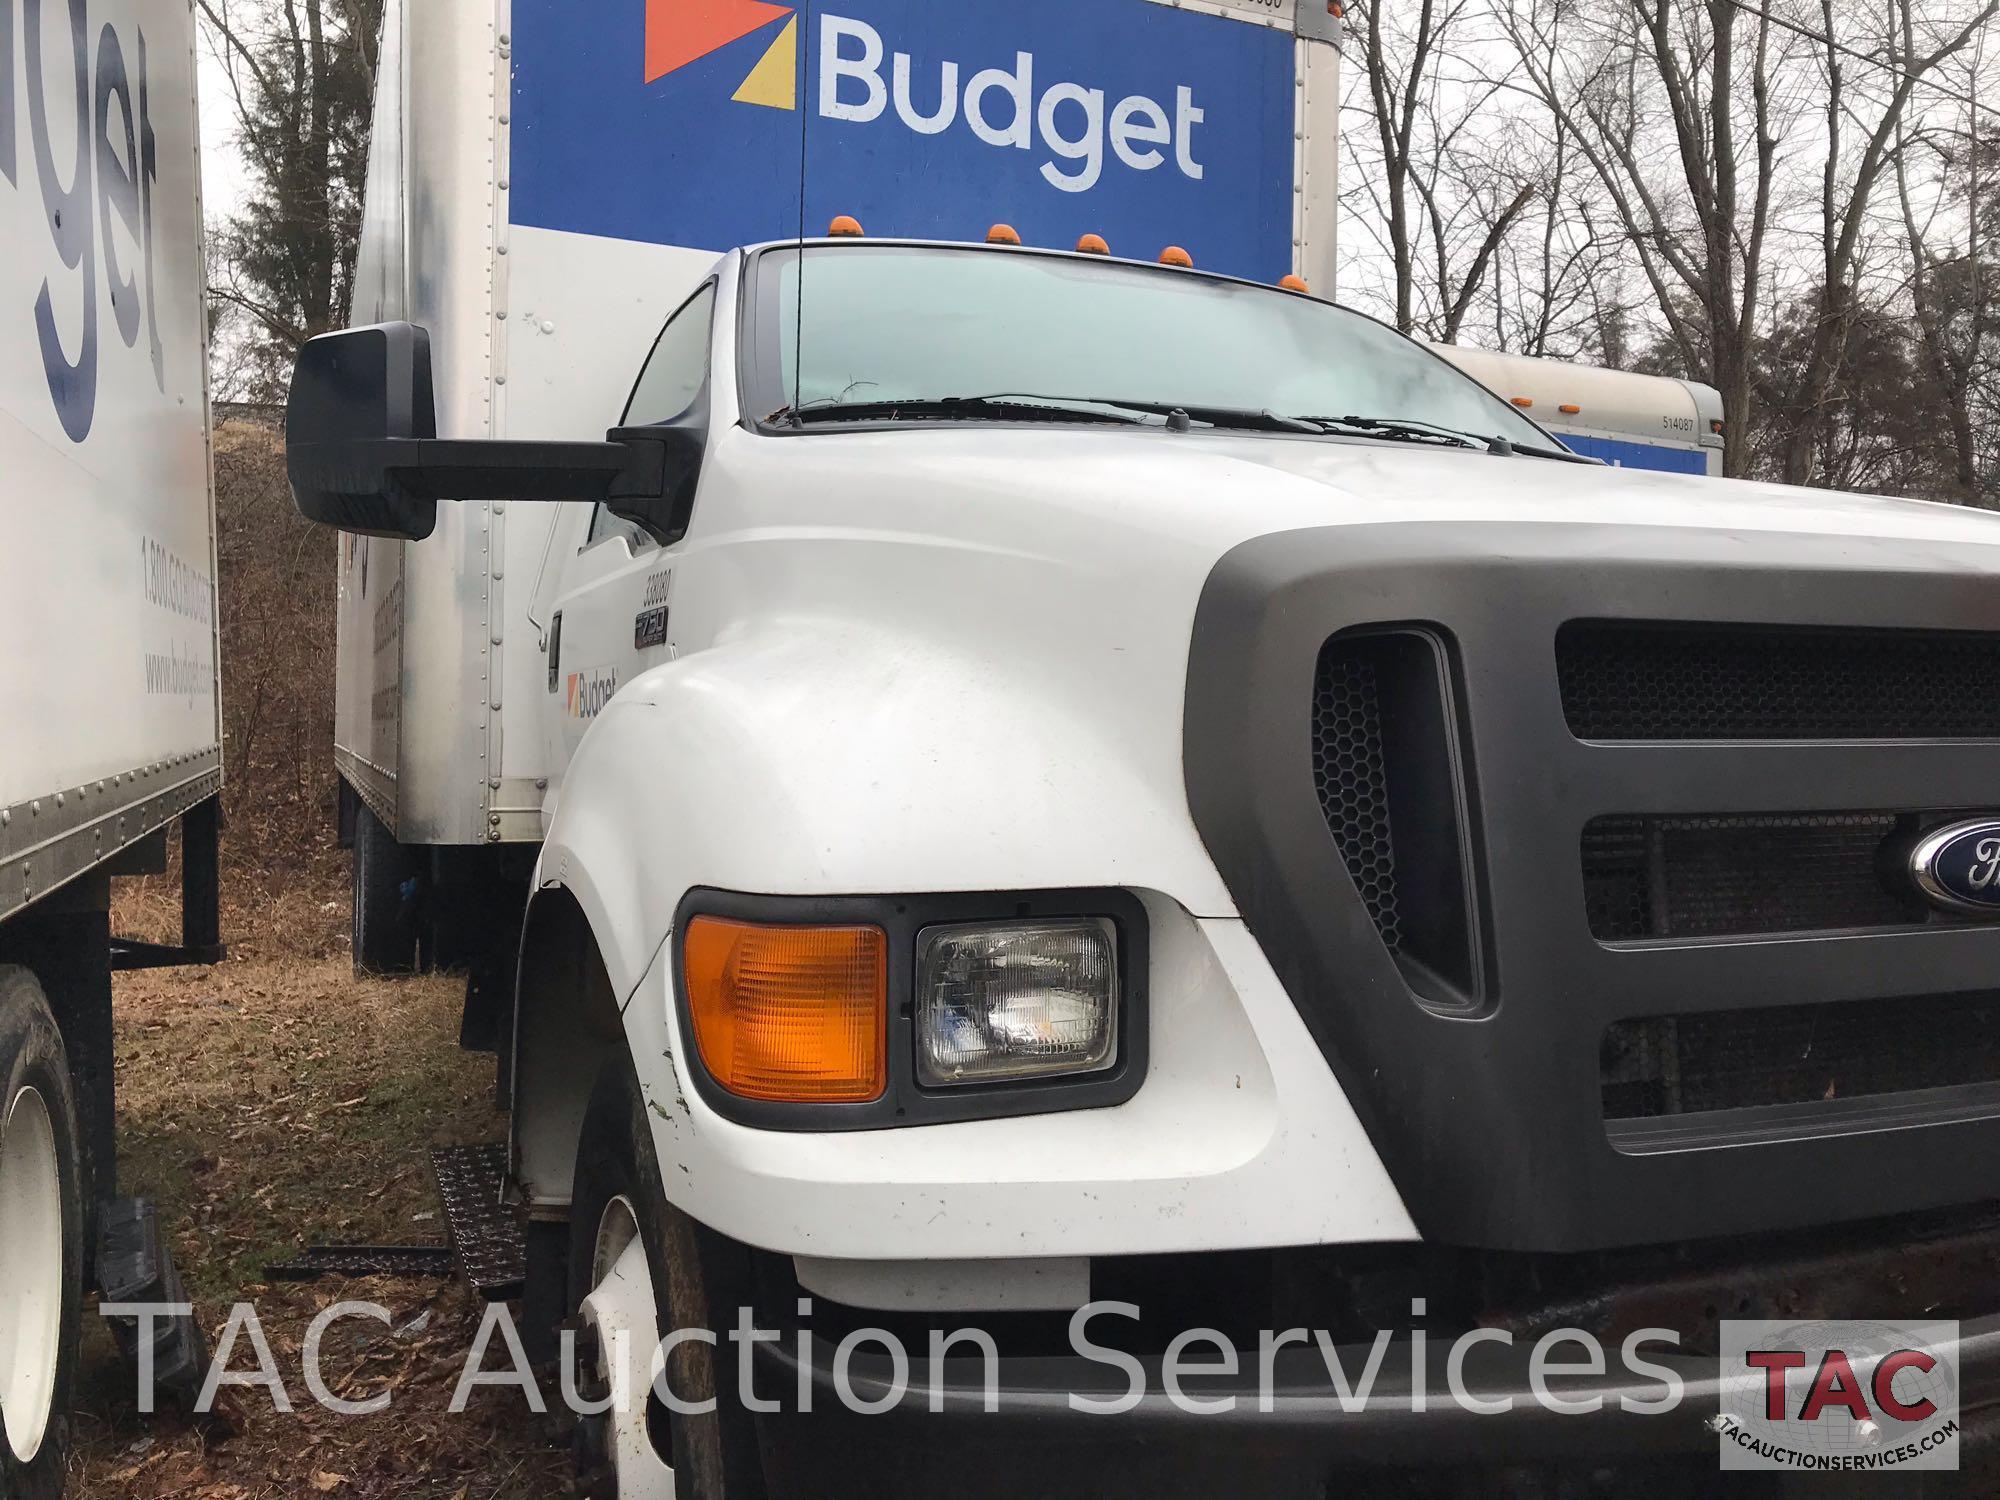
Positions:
{"x": 110, "y": 733}
{"x": 1626, "y": 420}
{"x": 1018, "y": 781}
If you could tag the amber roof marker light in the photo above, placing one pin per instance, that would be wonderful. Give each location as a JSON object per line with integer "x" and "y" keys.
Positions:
{"x": 1003, "y": 234}
{"x": 1295, "y": 284}
{"x": 1093, "y": 244}
{"x": 1173, "y": 255}
{"x": 845, "y": 227}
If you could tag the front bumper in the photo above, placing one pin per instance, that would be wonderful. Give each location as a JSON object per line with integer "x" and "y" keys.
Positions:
{"x": 940, "y": 1431}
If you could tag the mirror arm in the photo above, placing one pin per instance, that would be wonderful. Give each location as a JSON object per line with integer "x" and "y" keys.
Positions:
{"x": 456, "y": 469}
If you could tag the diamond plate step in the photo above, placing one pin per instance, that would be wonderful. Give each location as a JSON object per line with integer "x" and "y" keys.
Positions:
{"x": 437, "y": 1260}
{"x": 486, "y": 1232}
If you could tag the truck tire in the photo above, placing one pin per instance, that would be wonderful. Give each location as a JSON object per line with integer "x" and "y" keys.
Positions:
{"x": 386, "y": 878}
{"x": 41, "y": 1242}
{"x": 636, "y": 1260}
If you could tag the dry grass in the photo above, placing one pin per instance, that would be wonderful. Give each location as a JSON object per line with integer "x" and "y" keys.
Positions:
{"x": 267, "y": 1103}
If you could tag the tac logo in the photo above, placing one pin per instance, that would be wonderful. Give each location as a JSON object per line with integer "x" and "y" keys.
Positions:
{"x": 680, "y": 32}
{"x": 1838, "y": 1396}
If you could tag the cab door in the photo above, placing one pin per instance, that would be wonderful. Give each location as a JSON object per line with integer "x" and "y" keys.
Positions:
{"x": 615, "y": 597}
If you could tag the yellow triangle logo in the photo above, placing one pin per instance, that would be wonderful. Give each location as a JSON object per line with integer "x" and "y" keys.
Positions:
{"x": 774, "y": 82}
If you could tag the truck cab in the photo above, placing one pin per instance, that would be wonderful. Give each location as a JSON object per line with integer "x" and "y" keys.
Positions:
{"x": 866, "y": 339}
{"x": 1092, "y": 798}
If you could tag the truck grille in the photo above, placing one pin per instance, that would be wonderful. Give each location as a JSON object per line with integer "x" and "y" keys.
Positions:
{"x": 1740, "y": 875}
{"x": 1603, "y": 835}
{"x": 1797, "y": 1054}
{"x": 1737, "y": 682}
{"x": 1390, "y": 785}
{"x": 1351, "y": 776}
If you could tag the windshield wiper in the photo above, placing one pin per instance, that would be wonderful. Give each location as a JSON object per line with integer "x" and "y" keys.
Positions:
{"x": 1248, "y": 418}
{"x": 1412, "y": 430}
{"x": 1027, "y": 406}
{"x": 1002, "y": 408}
{"x": 1034, "y": 406}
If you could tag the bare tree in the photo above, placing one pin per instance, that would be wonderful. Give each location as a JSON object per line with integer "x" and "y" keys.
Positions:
{"x": 1559, "y": 288}
{"x": 301, "y": 79}
{"x": 1672, "y": 104}
{"x": 1428, "y": 187}
{"x": 1954, "y": 285}
{"x": 1891, "y": 71}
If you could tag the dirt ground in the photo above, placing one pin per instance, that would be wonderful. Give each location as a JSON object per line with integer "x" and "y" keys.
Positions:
{"x": 272, "y": 1102}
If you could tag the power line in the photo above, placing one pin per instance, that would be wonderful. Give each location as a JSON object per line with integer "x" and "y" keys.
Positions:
{"x": 1606, "y": 28}
{"x": 1763, "y": 13}
{"x": 1920, "y": 80}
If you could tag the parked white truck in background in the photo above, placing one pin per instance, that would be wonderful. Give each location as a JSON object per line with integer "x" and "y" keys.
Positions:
{"x": 107, "y": 606}
{"x": 1036, "y": 777}
{"x": 1625, "y": 420}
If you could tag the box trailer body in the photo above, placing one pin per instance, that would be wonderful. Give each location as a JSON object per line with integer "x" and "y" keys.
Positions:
{"x": 1041, "y": 776}
{"x": 1626, "y": 420}
{"x": 107, "y": 576}
{"x": 112, "y": 728}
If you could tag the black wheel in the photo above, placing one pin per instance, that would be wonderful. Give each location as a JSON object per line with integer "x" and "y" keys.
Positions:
{"x": 637, "y": 1263}
{"x": 387, "y": 879}
{"x": 41, "y": 1243}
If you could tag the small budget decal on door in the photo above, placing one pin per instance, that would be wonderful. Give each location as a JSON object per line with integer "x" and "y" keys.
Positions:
{"x": 589, "y": 692}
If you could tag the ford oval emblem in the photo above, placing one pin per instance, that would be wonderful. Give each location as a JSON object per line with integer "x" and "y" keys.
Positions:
{"x": 1958, "y": 868}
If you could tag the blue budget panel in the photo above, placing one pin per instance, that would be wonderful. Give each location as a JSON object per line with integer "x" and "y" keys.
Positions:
{"x": 1146, "y": 124}
{"x": 1626, "y": 455}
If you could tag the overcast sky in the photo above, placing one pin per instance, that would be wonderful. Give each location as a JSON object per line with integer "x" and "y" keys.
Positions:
{"x": 221, "y": 168}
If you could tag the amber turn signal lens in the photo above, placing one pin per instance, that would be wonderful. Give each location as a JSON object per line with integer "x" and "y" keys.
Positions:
{"x": 797, "y": 1014}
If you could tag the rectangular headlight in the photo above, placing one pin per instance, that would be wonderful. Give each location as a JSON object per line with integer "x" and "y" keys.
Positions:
{"x": 1016, "y": 1000}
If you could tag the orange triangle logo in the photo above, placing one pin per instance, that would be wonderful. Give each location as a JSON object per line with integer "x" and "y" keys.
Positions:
{"x": 679, "y": 32}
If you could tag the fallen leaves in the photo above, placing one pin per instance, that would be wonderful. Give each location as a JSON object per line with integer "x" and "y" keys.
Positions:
{"x": 304, "y": 1115}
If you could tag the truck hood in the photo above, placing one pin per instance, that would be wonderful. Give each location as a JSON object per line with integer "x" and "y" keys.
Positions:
{"x": 1048, "y": 489}
{"x": 1275, "y": 484}
{"x": 958, "y": 658}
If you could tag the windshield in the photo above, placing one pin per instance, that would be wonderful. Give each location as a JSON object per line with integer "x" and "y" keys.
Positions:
{"x": 891, "y": 323}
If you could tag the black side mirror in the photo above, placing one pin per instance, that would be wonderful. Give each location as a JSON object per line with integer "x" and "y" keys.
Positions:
{"x": 363, "y": 455}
